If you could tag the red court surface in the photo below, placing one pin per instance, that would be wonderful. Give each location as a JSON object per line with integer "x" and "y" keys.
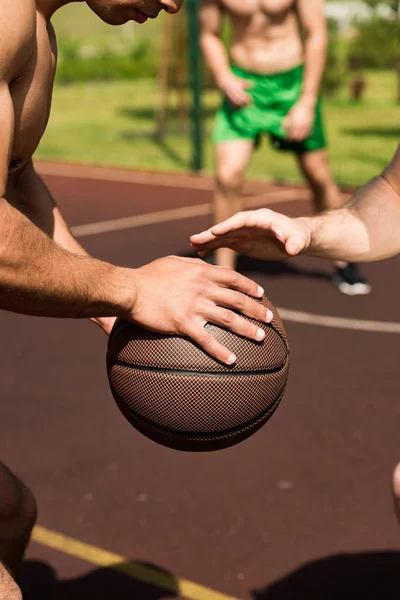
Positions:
{"x": 302, "y": 510}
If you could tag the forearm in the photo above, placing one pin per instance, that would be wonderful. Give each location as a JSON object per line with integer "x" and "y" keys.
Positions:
{"x": 215, "y": 56}
{"x": 314, "y": 65}
{"x": 34, "y": 200}
{"x": 38, "y": 277}
{"x": 367, "y": 229}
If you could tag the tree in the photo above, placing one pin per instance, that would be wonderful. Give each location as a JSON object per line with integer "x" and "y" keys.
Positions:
{"x": 393, "y": 5}
{"x": 377, "y": 44}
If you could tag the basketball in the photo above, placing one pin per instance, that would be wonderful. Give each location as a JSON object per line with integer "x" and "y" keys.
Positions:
{"x": 177, "y": 395}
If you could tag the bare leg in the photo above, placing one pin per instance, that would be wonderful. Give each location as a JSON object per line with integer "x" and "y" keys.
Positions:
{"x": 315, "y": 168}
{"x": 17, "y": 517}
{"x": 326, "y": 196}
{"x": 232, "y": 158}
{"x": 396, "y": 491}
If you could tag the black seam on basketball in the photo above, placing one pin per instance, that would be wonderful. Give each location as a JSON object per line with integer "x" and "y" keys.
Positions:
{"x": 188, "y": 372}
{"x": 281, "y": 336}
{"x": 203, "y": 436}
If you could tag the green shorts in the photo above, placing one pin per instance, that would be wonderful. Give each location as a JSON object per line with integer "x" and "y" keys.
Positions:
{"x": 273, "y": 97}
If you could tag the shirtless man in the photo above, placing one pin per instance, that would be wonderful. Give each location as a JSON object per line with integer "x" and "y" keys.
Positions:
{"x": 271, "y": 86}
{"x": 43, "y": 269}
{"x": 367, "y": 229}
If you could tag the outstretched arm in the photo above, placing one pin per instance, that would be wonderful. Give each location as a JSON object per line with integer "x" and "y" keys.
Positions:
{"x": 366, "y": 229}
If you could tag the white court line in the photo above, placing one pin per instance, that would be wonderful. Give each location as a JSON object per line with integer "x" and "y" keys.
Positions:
{"x": 161, "y": 216}
{"x": 297, "y": 316}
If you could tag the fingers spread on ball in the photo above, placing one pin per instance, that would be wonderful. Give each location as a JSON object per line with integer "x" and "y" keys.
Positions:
{"x": 209, "y": 344}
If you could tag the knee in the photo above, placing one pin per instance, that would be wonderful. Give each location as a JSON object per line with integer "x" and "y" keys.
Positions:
{"x": 320, "y": 179}
{"x": 396, "y": 491}
{"x": 18, "y": 509}
{"x": 229, "y": 179}
{"x": 9, "y": 590}
{"x": 28, "y": 510}
{"x": 396, "y": 482}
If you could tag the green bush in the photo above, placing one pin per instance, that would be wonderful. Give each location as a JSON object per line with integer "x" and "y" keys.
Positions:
{"x": 78, "y": 61}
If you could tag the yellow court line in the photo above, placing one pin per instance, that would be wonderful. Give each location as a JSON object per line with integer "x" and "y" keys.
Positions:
{"x": 103, "y": 558}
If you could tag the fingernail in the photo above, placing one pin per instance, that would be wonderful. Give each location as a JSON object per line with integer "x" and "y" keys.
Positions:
{"x": 260, "y": 334}
{"x": 231, "y": 359}
{"x": 260, "y": 291}
{"x": 270, "y": 316}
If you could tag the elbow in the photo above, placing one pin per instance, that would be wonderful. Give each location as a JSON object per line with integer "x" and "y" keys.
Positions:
{"x": 318, "y": 40}
{"x": 206, "y": 38}
{"x": 4, "y": 233}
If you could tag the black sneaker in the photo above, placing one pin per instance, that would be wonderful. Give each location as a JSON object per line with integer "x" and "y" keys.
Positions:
{"x": 350, "y": 281}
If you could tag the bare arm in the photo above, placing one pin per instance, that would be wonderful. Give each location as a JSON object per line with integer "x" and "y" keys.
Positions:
{"x": 213, "y": 48}
{"x": 313, "y": 22}
{"x": 39, "y": 277}
{"x": 300, "y": 120}
{"x": 216, "y": 57}
{"x": 33, "y": 199}
{"x": 366, "y": 229}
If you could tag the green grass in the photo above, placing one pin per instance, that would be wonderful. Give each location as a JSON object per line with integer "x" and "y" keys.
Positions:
{"x": 111, "y": 123}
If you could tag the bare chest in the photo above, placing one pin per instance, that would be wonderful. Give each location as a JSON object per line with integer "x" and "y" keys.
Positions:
{"x": 31, "y": 95}
{"x": 260, "y": 13}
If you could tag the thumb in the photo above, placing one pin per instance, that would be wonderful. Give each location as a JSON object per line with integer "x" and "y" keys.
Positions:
{"x": 286, "y": 122}
{"x": 247, "y": 84}
{"x": 294, "y": 245}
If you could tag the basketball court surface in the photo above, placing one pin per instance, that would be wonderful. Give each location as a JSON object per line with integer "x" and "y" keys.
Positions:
{"x": 302, "y": 510}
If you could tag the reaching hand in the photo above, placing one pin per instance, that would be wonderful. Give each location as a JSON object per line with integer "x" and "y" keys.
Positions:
{"x": 261, "y": 234}
{"x": 235, "y": 88}
{"x": 180, "y": 295}
{"x": 299, "y": 122}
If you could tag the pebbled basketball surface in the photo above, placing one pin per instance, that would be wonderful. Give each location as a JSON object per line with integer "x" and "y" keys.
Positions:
{"x": 173, "y": 392}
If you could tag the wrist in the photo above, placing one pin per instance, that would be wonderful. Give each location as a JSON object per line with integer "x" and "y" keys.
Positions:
{"x": 309, "y": 229}
{"x": 222, "y": 79}
{"x": 392, "y": 173}
{"x": 308, "y": 101}
{"x": 123, "y": 292}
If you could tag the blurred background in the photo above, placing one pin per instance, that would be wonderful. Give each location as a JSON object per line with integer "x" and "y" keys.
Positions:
{"x": 123, "y": 94}
{"x": 303, "y": 508}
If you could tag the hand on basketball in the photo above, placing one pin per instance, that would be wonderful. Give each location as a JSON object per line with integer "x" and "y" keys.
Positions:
{"x": 261, "y": 234}
{"x": 180, "y": 295}
{"x": 299, "y": 122}
{"x": 235, "y": 88}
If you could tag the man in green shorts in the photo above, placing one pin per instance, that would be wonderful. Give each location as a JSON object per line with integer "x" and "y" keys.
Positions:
{"x": 271, "y": 84}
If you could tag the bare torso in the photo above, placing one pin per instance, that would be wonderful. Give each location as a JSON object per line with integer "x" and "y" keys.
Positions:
{"x": 265, "y": 34}
{"x": 31, "y": 92}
